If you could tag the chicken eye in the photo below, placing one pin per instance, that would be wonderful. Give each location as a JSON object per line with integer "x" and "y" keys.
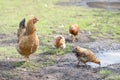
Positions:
{"x": 76, "y": 48}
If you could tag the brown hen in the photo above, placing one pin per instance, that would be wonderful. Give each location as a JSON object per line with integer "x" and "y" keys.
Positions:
{"x": 74, "y": 30}
{"x": 28, "y": 40}
{"x": 84, "y": 55}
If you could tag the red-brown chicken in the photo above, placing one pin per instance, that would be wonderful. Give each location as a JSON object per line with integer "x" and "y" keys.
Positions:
{"x": 28, "y": 40}
{"x": 59, "y": 42}
{"x": 85, "y": 55}
{"x": 74, "y": 30}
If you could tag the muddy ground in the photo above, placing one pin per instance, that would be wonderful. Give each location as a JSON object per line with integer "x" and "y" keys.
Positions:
{"x": 65, "y": 67}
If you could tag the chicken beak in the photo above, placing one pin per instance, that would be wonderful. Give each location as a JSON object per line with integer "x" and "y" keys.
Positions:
{"x": 73, "y": 51}
{"x": 37, "y": 20}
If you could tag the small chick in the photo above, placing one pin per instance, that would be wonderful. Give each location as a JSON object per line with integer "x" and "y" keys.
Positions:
{"x": 59, "y": 42}
{"x": 74, "y": 30}
{"x": 85, "y": 55}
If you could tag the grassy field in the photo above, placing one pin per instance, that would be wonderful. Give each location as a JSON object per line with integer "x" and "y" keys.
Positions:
{"x": 51, "y": 15}
{"x": 55, "y": 18}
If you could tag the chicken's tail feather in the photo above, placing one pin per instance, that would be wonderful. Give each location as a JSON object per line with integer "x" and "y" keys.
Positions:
{"x": 22, "y": 23}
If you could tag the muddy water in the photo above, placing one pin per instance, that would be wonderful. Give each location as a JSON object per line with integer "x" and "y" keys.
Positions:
{"x": 108, "y": 58}
{"x": 108, "y": 4}
{"x": 105, "y": 4}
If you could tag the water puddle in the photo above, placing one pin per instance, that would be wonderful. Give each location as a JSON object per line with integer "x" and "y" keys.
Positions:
{"x": 105, "y": 4}
{"x": 107, "y": 58}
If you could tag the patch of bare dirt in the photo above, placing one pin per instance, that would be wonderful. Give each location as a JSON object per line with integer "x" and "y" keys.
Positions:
{"x": 8, "y": 40}
{"x": 65, "y": 66}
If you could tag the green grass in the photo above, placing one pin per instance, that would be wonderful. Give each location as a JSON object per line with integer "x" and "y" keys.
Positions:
{"x": 31, "y": 65}
{"x": 115, "y": 77}
{"x": 9, "y": 74}
{"x": 105, "y": 72}
{"x": 110, "y": 75}
{"x": 6, "y": 52}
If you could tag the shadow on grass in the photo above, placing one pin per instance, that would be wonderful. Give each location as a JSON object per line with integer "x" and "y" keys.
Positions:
{"x": 9, "y": 65}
